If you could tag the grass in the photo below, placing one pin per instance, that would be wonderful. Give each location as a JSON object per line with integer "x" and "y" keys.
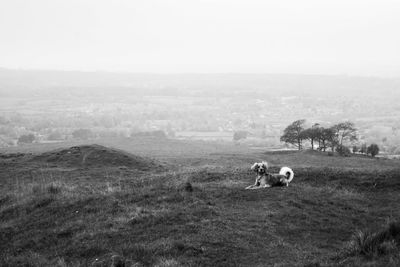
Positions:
{"x": 376, "y": 243}
{"x": 199, "y": 215}
{"x": 380, "y": 247}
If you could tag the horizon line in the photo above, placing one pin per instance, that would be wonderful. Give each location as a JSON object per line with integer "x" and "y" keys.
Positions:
{"x": 199, "y": 73}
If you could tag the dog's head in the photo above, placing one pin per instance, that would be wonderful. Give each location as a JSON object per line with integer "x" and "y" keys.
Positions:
{"x": 260, "y": 167}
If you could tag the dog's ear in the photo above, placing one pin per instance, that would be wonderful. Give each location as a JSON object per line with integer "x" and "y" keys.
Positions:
{"x": 265, "y": 164}
{"x": 255, "y": 167}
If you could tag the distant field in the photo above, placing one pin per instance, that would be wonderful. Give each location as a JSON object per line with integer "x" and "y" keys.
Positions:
{"x": 142, "y": 145}
{"x": 217, "y": 153}
{"x": 182, "y": 203}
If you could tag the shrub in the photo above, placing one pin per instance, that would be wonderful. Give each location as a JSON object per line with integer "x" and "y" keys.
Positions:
{"x": 373, "y": 149}
{"x": 188, "y": 187}
{"x": 343, "y": 150}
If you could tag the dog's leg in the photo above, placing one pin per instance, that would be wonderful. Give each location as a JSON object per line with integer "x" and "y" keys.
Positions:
{"x": 255, "y": 187}
{"x": 284, "y": 181}
{"x": 251, "y": 186}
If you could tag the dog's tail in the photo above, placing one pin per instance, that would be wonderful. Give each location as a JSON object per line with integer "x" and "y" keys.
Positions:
{"x": 288, "y": 172}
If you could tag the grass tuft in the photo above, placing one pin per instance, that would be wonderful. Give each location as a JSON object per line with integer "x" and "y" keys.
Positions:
{"x": 188, "y": 187}
{"x": 369, "y": 244}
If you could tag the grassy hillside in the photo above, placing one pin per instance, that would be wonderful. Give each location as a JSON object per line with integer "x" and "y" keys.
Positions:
{"x": 192, "y": 210}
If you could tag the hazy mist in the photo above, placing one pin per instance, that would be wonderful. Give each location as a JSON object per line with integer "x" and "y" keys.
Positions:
{"x": 302, "y": 37}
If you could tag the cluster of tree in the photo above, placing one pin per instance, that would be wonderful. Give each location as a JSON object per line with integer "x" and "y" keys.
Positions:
{"x": 332, "y": 137}
{"x": 372, "y": 149}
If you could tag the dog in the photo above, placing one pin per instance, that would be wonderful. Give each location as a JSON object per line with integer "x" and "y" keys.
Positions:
{"x": 265, "y": 179}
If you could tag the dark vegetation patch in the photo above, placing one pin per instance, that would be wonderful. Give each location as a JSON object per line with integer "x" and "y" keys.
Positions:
{"x": 188, "y": 187}
{"x": 12, "y": 155}
{"x": 372, "y": 247}
{"x": 369, "y": 243}
{"x": 97, "y": 156}
{"x": 5, "y": 200}
{"x": 10, "y": 159}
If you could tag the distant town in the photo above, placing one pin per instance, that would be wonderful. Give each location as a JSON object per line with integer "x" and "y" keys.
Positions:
{"x": 200, "y": 107}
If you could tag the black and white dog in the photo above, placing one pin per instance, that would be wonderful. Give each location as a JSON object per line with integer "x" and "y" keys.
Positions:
{"x": 265, "y": 179}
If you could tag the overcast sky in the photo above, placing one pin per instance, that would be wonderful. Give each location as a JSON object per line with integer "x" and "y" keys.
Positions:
{"x": 283, "y": 36}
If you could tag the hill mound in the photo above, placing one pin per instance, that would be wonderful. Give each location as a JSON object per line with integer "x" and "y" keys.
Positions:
{"x": 97, "y": 156}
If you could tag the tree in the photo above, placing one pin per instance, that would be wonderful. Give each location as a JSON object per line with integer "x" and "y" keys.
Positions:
{"x": 239, "y": 135}
{"x": 355, "y": 149}
{"x": 373, "y": 149}
{"x": 294, "y": 134}
{"x": 345, "y": 131}
{"x": 26, "y": 138}
{"x": 312, "y": 134}
{"x": 326, "y": 137}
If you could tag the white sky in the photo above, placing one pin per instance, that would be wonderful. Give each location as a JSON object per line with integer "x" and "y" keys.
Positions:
{"x": 283, "y": 36}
